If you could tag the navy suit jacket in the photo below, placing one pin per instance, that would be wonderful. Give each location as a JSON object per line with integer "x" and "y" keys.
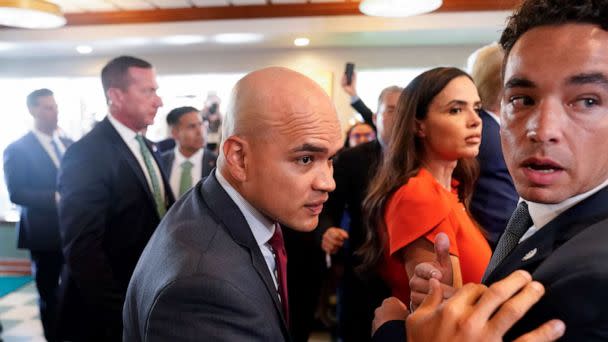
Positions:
{"x": 31, "y": 180}
{"x": 568, "y": 256}
{"x": 494, "y": 197}
{"x": 202, "y": 277}
{"x": 107, "y": 214}
{"x": 209, "y": 160}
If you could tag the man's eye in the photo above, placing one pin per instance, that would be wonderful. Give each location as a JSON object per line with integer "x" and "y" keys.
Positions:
{"x": 305, "y": 160}
{"x": 519, "y": 101}
{"x": 587, "y": 102}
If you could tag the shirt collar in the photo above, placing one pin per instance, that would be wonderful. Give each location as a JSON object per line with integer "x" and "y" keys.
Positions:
{"x": 195, "y": 158}
{"x": 542, "y": 214}
{"x": 125, "y": 132}
{"x": 45, "y": 137}
{"x": 261, "y": 227}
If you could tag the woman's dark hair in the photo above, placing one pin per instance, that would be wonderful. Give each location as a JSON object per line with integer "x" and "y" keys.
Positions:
{"x": 404, "y": 157}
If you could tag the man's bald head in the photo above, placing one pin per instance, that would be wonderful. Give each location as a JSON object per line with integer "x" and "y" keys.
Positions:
{"x": 279, "y": 135}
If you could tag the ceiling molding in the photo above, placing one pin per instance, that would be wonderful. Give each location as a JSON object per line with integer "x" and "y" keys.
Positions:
{"x": 260, "y": 11}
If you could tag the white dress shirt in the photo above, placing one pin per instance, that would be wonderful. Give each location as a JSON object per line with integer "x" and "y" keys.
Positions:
{"x": 46, "y": 142}
{"x": 261, "y": 227}
{"x": 128, "y": 136}
{"x": 542, "y": 214}
{"x": 176, "y": 169}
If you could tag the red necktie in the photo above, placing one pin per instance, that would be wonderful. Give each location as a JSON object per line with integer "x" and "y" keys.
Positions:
{"x": 280, "y": 257}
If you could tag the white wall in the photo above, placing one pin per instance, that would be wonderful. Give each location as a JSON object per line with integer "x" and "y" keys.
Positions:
{"x": 231, "y": 61}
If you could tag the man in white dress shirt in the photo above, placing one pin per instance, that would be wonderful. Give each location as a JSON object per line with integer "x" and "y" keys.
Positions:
{"x": 30, "y": 169}
{"x": 188, "y": 162}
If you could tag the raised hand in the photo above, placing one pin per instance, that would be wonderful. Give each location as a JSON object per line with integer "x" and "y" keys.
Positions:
{"x": 333, "y": 239}
{"x": 350, "y": 89}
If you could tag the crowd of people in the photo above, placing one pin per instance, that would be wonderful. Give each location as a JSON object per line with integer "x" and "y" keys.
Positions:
{"x": 468, "y": 207}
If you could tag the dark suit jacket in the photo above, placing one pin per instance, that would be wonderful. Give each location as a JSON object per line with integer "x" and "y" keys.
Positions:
{"x": 209, "y": 160}
{"x": 568, "y": 256}
{"x": 31, "y": 180}
{"x": 165, "y": 145}
{"x": 107, "y": 214}
{"x": 202, "y": 277}
{"x": 494, "y": 197}
{"x": 365, "y": 112}
{"x": 354, "y": 169}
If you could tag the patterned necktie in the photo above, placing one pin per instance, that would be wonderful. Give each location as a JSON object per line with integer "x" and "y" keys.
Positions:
{"x": 518, "y": 224}
{"x": 185, "y": 179}
{"x": 57, "y": 150}
{"x": 148, "y": 160}
{"x": 280, "y": 257}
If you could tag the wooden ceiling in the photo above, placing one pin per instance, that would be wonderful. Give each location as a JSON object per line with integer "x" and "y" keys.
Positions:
{"x": 100, "y": 12}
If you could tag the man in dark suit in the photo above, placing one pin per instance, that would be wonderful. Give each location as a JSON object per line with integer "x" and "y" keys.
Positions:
{"x": 189, "y": 162}
{"x": 215, "y": 267}
{"x": 30, "y": 169}
{"x": 113, "y": 195}
{"x": 494, "y": 197}
{"x": 554, "y": 125}
{"x": 354, "y": 168}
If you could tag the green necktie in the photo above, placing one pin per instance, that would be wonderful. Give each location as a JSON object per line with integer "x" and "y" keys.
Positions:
{"x": 158, "y": 198}
{"x": 185, "y": 179}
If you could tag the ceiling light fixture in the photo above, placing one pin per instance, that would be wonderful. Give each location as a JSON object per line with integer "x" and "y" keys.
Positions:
{"x": 32, "y": 14}
{"x": 84, "y": 49}
{"x": 183, "y": 39}
{"x": 398, "y": 8}
{"x": 237, "y": 38}
{"x": 301, "y": 41}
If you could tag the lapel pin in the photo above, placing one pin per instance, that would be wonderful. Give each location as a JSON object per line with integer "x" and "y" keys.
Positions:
{"x": 529, "y": 255}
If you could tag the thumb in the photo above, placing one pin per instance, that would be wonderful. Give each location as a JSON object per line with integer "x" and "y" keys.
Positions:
{"x": 435, "y": 296}
{"x": 442, "y": 251}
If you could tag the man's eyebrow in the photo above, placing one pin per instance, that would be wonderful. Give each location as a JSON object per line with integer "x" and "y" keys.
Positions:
{"x": 517, "y": 82}
{"x": 589, "y": 78}
{"x": 310, "y": 148}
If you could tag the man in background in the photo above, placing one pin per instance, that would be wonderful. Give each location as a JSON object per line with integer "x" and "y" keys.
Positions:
{"x": 113, "y": 195}
{"x": 189, "y": 162}
{"x": 494, "y": 197}
{"x": 30, "y": 169}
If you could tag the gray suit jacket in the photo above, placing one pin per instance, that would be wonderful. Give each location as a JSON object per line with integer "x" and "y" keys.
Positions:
{"x": 202, "y": 277}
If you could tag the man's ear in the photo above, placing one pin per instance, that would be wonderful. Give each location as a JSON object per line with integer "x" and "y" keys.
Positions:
{"x": 235, "y": 153}
{"x": 114, "y": 97}
{"x": 420, "y": 129}
{"x": 174, "y": 131}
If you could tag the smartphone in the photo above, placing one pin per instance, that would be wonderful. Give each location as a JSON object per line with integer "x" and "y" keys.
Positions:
{"x": 213, "y": 108}
{"x": 348, "y": 71}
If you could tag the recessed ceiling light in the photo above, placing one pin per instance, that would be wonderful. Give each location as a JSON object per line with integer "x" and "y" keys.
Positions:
{"x": 237, "y": 38}
{"x": 84, "y": 49}
{"x": 301, "y": 41}
{"x": 398, "y": 8}
{"x": 183, "y": 39}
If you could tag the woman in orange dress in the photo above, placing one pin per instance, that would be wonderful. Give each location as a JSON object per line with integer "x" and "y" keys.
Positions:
{"x": 425, "y": 183}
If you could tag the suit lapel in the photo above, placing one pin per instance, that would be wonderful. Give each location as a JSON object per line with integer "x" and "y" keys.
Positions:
{"x": 229, "y": 213}
{"x": 39, "y": 153}
{"x": 529, "y": 254}
{"x": 120, "y": 145}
